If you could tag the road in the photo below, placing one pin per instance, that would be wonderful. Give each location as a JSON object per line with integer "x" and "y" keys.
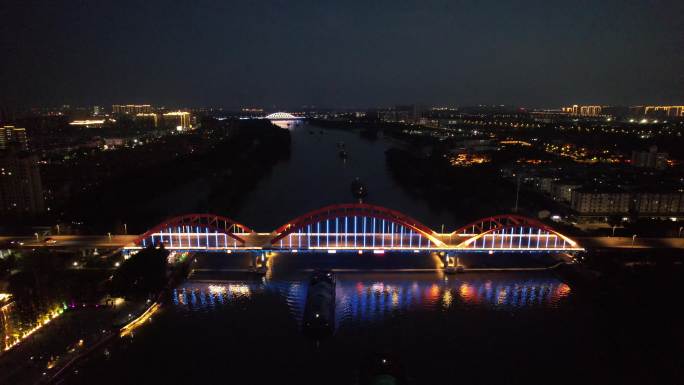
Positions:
{"x": 117, "y": 241}
{"x": 70, "y": 241}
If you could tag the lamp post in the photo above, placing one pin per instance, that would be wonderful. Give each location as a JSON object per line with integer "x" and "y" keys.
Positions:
{"x": 633, "y": 238}
{"x": 517, "y": 194}
{"x": 125, "y": 229}
{"x": 614, "y": 226}
{"x": 680, "y": 230}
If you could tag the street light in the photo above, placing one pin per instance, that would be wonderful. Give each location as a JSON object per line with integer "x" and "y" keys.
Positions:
{"x": 633, "y": 238}
{"x": 614, "y": 226}
{"x": 110, "y": 236}
{"x": 680, "y": 230}
{"x": 125, "y": 229}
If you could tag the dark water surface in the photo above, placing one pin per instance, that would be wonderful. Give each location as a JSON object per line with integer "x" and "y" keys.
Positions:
{"x": 473, "y": 328}
{"x": 316, "y": 176}
{"x": 439, "y": 327}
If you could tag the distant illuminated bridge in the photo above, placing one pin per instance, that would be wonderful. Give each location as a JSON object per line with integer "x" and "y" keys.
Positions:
{"x": 357, "y": 228}
{"x": 282, "y": 116}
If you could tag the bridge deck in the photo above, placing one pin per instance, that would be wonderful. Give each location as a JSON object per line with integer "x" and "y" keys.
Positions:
{"x": 256, "y": 241}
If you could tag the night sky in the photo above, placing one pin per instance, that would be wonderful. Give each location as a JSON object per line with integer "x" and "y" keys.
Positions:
{"x": 341, "y": 53}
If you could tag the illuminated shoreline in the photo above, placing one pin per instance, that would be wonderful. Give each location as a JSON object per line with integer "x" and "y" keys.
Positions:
{"x": 136, "y": 323}
{"x": 42, "y": 321}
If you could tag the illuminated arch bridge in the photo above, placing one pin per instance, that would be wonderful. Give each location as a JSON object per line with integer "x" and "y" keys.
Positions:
{"x": 355, "y": 227}
{"x": 282, "y": 116}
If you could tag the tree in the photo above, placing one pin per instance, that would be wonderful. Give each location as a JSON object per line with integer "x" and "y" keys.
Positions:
{"x": 142, "y": 274}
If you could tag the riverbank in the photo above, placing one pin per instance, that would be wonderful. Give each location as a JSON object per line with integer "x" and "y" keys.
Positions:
{"x": 204, "y": 170}
{"x": 502, "y": 313}
{"x": 45, "y": 352}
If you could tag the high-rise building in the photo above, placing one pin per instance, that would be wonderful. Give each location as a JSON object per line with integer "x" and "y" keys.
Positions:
{"x": 587, "y": 201}
{"x": 178, "y": 119}
{"x": 562, "y": 191}
{"x": 150, "y": 119}
{"x": 131, "y": 109}
{"x": 11, "y": 134}
{"x": 21, "y": 190}
{"x": 664, "y": 111}
{"x": 590, "y": 110}
{"x": 660, "y": 203}
{"x": 667, "y": 203}
{"x": 583, "y": 110}
{"x": 650, "y": 159}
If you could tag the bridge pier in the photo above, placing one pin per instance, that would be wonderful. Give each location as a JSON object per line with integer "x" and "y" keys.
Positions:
{"x": 259, "y": 262}
{"x": 452, "y": 264}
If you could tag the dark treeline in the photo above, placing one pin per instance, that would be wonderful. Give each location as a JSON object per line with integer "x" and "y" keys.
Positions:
{"x": 142, "y": 274}
{"x": 371, "y": 129}
{"x": 468, "y": 192}
{"x": 41, "y": 280}
{"x": 144, "y": 185}
{"x": 462, "y": 191}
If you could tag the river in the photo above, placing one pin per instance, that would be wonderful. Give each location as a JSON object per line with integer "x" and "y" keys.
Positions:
{"x": 223, "y": 327}
{"x": 316, "y": 175}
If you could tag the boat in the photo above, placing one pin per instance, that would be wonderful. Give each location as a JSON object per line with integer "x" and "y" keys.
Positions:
{"x": 358, "y": 189}
{"x": 319, "y": 310}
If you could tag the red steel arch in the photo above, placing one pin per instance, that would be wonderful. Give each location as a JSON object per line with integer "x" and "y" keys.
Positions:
{"x": 499, "y": 222}
{"x": 354, "y": 209}
{"x": 466, "y": 244}
{"x": 212, "y": 221}
{"x": 484, "y": 226}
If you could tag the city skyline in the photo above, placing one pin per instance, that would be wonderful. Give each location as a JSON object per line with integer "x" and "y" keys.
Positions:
{"x": 314, "y": 191}
{"x": 146, "y": 107}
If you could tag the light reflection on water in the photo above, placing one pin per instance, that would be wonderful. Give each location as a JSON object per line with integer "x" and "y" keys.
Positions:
{"x": 362, "y": 299}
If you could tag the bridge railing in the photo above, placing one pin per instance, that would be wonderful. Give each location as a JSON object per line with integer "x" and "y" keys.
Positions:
{"x": 519, "y": 238}
{"x": 353, "y": 232}
{"x": 192, "y": 237}
{"x": 356, "y": 227}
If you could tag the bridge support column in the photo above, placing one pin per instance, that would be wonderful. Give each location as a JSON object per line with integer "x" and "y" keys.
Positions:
{"x": 452, "y": 264}
{"x": 259, "y": 262}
